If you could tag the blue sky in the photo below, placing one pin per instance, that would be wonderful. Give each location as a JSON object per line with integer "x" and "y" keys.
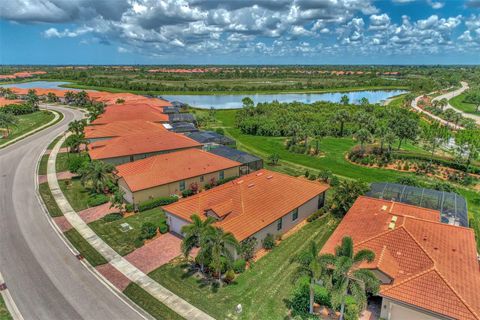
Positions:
{"x": 240, "y": 32}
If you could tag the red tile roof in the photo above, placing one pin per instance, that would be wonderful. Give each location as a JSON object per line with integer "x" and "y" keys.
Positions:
{"x": 121, "y": 128}
{"x": 6, "y": 102}
{"x": 161, "y": 141}
{"x": 175, "y": 166}
{"x": 250, "y": 203}
{"x": 112, "y": 98}
{"x": 129, "y": 112}
{"x": 434, "y": 265}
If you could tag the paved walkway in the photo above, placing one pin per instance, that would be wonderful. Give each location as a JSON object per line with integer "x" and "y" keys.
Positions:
{"x": 452, "y": 94}
{"x": 442, "y": 121}
{"x": 64, "y": 175}
{"x": 174, "y": 302}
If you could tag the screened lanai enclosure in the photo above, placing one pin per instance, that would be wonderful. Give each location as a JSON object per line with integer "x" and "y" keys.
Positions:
{"x": 452, "y": 207}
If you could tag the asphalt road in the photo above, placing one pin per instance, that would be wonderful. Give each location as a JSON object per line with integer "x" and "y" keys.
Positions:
{"x": 45, "y": 279}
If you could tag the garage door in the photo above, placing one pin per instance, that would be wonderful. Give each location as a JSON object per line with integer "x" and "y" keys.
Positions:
{"x": 402, "y": 313}
{"x": 175, "y": 224}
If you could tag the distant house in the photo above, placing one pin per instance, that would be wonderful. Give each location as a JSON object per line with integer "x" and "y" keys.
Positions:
{"x": 183, "y": 127}
{"x": 249, "y": 162}
{"x": 128, "y": 112}
{"x": 120, "y": 129}
{"x": 181, "y": 117}
{"x": 427, "y": 269}
{"x": 139, "y": 146}
{"x": 210, "y": 138}
{"x": 255, "y": 205}
{"x": 168, "y": 174}
{"x": 171, "y": 110}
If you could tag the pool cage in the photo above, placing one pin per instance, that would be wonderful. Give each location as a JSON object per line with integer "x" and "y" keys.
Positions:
{"x": 452, "y": 207}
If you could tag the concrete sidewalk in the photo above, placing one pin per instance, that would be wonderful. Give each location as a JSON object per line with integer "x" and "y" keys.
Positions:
{"x": 174, "y": 302}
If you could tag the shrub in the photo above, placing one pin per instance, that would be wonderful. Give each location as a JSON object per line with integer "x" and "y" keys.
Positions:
{"x": 138, "y": 242}
{"x": 97, "y": 200}
{"x": 163, "y": 228}
{"x": 150, "y": 204}
{"x": 269, "y": 242}
{"x": 76, "y": 162}
{"x": 324, "y": 175}
{"x": 129, "y": 207}
{"x": 312, "y": 177}
{"x": 247, "y": 248}
{"x": 239, "y": 265}
{"x": 220, "y": 131}
{"x": 148, "y": 231}
{"x": 316, "y": 215}
{"x": 307, "y": 174}
{"x": 334, "y": 181}
{"x": 229, "y": 276}
{"x": 187, "y": 193}
{"x": 444, "y": 186}
{"x": 300, "y": 299}
{"x": 112, "y": 217}
{"x": 409, "y": 181}
{"x": 351, "y": 308}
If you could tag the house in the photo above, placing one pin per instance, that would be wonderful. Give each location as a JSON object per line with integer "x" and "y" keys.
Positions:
{"x": 210, "y": 138}
{"x": 427, "y": 269}
{"x": 139, "y": 146}
{"x": 171, "y": 110}
{"x": 183, "y": 127}
{"x": 127, "y": 112}
{"x": 5, "y": 102}
{"x": 249, "y": 162}
{"x": 255, "y": 205}
{"x": 168, "y": 174}
{"x": 181, "y": 117}
{"x": 120, "y": 129}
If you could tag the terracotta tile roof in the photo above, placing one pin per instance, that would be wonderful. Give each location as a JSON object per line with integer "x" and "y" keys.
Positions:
{"x": 6, "y": 102}
{"x": 129, "y": 112}
{"x": 112, "y": 98}
{"x": 167, "y": 168}
{"x": 161, "y": 141}
{"x": 121, "y": 128}
{"x": 256, "y": 201}
{"x": 434, "y": 265}
{"x": 40, "y": 91}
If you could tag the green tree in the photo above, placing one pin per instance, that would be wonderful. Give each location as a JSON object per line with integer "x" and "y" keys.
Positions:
{"x": 344, "y": 100}
{"x": 74, "y": 142}
{"x": 468, "y": 142}
{"x": 220, "y": 245}
{"x": 473, "y": 98}
{"x": 69, "y": 97}
{"x": 52, "y": 97}
{"x": 349, "y": 278}
{"x": 194, "y": 234}
{"x": 314, "y": 266}
{"x": 98, "y": 175}
{"x": 248, "y": 103}
{"x": 434, "y": 135}
{"x": 7, "y": 120}
{"x": 346, "y": 193}
{"x": 77, "y": 126}
{"x": 341, "y": 116}
{"x": 274, "y": 158}
{"x": 363, "y": 136}
{"x": 32, "y": 98}
{"x": 404, "y": 124}
{"x": 117, "y": 202}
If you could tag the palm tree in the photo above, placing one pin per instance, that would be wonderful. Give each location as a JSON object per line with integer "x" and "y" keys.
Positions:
{"x": 52, "y": 97}
{"x": 69, "y": 97}
{"x": 348, "y": 278}
{"x": 314, "y": 266}
{"x": 7, "y": 120}
{"x": 443, "y": 103}
{"x": 344, "y": 100}
{"x": 32, "y": 98}
{"x": 77, "y": 126}
{"x": 74, "y": 141}
{"x": 219, "y": 244}
{"x": 363, "y": 135}
{"x": 98, "y": 174}
{"x": 194, "y": 234}
{"x": 341, "y": 116}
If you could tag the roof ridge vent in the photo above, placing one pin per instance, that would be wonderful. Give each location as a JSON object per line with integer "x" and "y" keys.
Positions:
{"x": 259, "y": 174}
{"x": 269, "y": 177}
{"x": 240, "y": 182}
{"x": 251, "y": 185}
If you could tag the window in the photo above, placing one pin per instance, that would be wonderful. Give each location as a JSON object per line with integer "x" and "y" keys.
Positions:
{"x": 279, "y": 224}
{"x": 295, "y": 214}
{"x": 202, "y": 178}
{"x": 321, "y": 200}
{"x": 221, "y": 175}
{"x": 182, "y": 185}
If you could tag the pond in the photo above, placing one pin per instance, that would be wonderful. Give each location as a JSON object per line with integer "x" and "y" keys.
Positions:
{"x": 38, "y": 84}
{"x": 235, "y": 100}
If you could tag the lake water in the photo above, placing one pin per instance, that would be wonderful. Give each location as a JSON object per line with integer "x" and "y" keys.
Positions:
{"x": 38, "y": 84}
{"x": 235, "y": 101}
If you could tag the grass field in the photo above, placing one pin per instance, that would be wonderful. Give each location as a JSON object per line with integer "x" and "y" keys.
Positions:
{"x": 85, "y": 249}
{"x": 4, "y": 314}
{"x": 142, "y": 298}
{"x": 75, "y": 193}
{"x": 457, "y": 102}
{"x": 262, "y": 290}
{"x": 29, "y": 122}
{"x": 123, "y": 242}
{"x": 50, "y": 203}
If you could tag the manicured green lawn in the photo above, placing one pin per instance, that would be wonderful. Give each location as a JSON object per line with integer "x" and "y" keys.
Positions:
{"x": 4, "y": 314}
{"x": 75, "y": 193}
{"x": 61, "y": 164}
{"x": 157, "y": 309}
{"x": 124, "y": 242}
{"x": 47, "y": 197}
{"x": 262, "y": 290}
{"x": 85, "y": 249}
{"x": 457, "y": 102}
{"x": 29, "y": 122}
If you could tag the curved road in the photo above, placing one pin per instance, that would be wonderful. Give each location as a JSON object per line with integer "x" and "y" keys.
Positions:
{"x": 452, "y": 94}
{"x": 45, "y": 279}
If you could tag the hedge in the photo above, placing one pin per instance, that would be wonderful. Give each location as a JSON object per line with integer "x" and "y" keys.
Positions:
{"x": 436, "y": 160}
{"x": 97, "y": 200}
{"x": 150, "y": 204}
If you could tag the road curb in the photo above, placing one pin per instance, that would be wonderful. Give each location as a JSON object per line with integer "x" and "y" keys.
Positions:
{"x": 11, "y": 306}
